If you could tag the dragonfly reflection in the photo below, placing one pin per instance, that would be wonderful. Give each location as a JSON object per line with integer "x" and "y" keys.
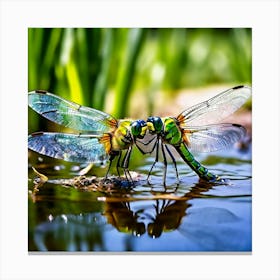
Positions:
{"x": 167, "y": 215}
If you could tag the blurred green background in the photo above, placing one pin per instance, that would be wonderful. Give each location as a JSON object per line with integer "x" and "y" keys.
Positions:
{"x": 125, "y": 71}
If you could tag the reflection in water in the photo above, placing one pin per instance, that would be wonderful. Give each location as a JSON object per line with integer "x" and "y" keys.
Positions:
{"x": 188, "y": 217}
{"x": 70, "y": 233}
{"x": 123, "y": 219}
{"x": 167, "y": 214}
{"x": 84, "y": 232}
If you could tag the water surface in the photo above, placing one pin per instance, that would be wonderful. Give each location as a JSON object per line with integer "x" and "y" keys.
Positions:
{"x": 192, "y": 216}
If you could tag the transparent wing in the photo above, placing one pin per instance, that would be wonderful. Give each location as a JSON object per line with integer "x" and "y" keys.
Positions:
{"x": 69, "y": 147}
{"x": 147, "y": 144}
{"x": 70, "y": 114}
{"x": 213, "y": 137}
{"x": 215, "y": 109}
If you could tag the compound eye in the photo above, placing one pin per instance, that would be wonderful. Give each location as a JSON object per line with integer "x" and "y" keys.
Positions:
{"x": 142, "y": 123}
{"x": 135, "y": 128}
{"x": 155, "y": 124}
{"x": 158, "y": 123}
{"x": 138, "y": 128}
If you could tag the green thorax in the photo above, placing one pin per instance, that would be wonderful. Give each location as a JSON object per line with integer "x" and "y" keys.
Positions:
{"x": 172, "y": 133}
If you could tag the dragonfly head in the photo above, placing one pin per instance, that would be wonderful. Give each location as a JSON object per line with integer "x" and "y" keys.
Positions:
{"x": 155, "y": 125}
{"x": 138, "y": 128}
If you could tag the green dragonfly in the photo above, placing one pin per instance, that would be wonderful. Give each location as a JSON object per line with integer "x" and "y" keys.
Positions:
{"x": 196, "y": 128}
{"x": 101, "y": 137}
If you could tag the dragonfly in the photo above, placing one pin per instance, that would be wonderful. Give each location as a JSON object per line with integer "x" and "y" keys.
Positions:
{"x": 198, "y": 129}
{"x": 99, "y": 138}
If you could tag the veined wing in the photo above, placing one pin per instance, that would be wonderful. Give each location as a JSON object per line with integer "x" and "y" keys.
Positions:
{"x": 214, "y": 137}
{"x": 147, "y": 144}
{"x": 69, "y": 147}
{"x": 216, "y": 108}
{"x": 70, "y": 114}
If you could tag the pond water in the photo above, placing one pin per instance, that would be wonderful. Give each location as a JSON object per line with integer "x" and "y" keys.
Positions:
{"x": 193, "y": 216}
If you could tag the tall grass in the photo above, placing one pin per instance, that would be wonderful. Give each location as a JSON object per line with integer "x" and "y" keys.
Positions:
{"x": 100, "y": 66}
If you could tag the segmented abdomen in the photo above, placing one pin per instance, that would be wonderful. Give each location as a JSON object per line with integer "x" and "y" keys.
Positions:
{"x": 201, "y": 171}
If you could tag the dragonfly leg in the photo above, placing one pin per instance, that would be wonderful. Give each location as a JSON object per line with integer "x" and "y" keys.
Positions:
{"x": 174, "y": 162}
{"x": 125, "y": 164}
{"x": 143, "y": 152}
{"x": 112, "y": 157}
{"x": 147, "y": 143}
{"x": 118, "y": 163}
{"x": 165, "y": 164}
{"x": 156, "y": 146}
{"x": 110, "y": 163}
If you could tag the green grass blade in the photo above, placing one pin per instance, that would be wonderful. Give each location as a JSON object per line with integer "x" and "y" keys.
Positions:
{"x": 127, "y": 69}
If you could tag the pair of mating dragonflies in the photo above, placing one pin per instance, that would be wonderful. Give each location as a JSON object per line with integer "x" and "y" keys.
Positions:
{"x": 102, "y": 138}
